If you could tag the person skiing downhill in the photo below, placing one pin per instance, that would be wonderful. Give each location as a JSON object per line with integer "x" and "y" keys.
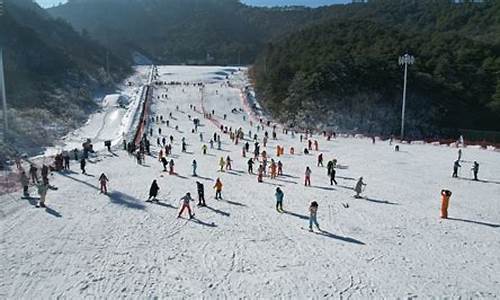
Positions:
{"x": 475, "y": 170}
{"x": 273, "y": 168}
{"x": 228, "y": 163}
{"x": 185, "y": 205}
{"x": 279, "y": 199}
{"x": 359, "y": 187}
{"x": 204, "y": 149}
{"x": 456, "y": 165}
{"x": 218, "y": 189}
{"x": 280, "y": 168}
{"x": 103, "y": 180}
{"x": 153, "y": 191}
{"x": 201, "y": 193}
{"x": 313, "y": 215}
{"x": 329, "y": 167}
{"x": 194, "y": 165}
{"x": 307, "y": 181}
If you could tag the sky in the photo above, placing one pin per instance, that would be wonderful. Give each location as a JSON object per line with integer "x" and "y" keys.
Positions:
{"x": 312, "y": 3}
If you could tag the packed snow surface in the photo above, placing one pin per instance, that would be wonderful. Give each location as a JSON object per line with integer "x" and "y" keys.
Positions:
{"x": 391, "y": 243}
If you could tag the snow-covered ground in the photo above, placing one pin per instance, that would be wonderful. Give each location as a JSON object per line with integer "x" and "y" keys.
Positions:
{"x": 389, "y": 244}
{"x": 112, "y": 121}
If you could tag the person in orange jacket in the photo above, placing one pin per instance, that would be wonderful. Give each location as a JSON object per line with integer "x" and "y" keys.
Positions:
{"x": 218, "y": 189}
{"x": 445, "y": 201}
{"x": 273, "y": 168}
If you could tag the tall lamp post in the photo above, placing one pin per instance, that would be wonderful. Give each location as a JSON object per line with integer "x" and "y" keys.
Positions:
{"x": 405, "y": 60}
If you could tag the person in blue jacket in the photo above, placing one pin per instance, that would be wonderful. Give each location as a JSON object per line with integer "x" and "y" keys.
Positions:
{"x": 279, "y": 199}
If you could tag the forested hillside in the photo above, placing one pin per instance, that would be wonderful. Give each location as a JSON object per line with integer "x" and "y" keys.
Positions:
{"x": 345, "y": 73}
{"x": 51, "y": 74}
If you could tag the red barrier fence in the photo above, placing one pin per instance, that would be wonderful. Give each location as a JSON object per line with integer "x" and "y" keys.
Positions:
{"x": 141, "y": 127}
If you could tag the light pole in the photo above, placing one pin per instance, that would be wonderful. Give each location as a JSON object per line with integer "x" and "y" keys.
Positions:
{"x": 405, "y": 60}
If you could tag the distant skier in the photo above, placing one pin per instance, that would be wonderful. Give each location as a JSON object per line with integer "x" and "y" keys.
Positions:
{"x": 307, "y": 180}
{"x": 459, "y": 154}
{"x": 103, "y": 180}
{"x": 359, "y": 187}
{"x": 280, "y": 168}
{"x": 228, "y": 163}
{"x": 218, "y": 189}
{"x": 279, "y": 199}
{"x": 445, "y": 201}
{"x": 456, "y": 165}
{"x": 45, "y": 174}
{"x": 313, "y": 215}
{"x": 164, "y": 162}
{"x": 171, "y": 165}
{"x": 332, "y": 177}
{"x": 66, "y": 161}
{"x": 222, "y": 164}
{"x": 250, "y": 164}
{"x": 475, "y": 170}
{"x": 201, "y": 193}
{"x": 83, "y": 163}
{"x": 329, "y": 167}
{"x": 204, "y": 149}
{"x": 194, "y": 165}
{"x": 42, "y": 192}
{"x": 25, "y": 181}
{"x": 185, "y": 205}
{"x": 33, "y": 173}
{"x": 153, "y": 191}
{"x": 320, "y": 160}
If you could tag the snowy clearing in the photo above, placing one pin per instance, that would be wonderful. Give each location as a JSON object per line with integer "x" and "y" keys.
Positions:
{"x": 389, "y": 244}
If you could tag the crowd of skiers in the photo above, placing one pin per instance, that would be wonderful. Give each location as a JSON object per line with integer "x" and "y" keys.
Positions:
{"x": 267, "y": 166}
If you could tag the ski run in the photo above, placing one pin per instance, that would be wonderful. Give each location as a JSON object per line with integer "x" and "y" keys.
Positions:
{"x": 388, "y": 243}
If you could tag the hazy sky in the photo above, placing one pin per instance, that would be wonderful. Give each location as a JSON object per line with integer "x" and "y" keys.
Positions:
{"x": 48, "y": 3}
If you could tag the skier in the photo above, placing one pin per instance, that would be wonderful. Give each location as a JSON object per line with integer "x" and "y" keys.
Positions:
{"x": 359, "y": 187}
{"x": 211, "y": 144}
{"x": 222, "y": 163}
{"x": 82, "y": 165}
{"x": 219, "y": 145}
{"x": 201, "y": 193}
{"x": 475, "y": 170}
{"x": 33, "y": 173}
{"x": 153, "y": 191}
{"x": 273, "y": 168}
{"x": 164, "y": 162}
{"x": 309, "y": 145}
{"x": 204, "y": 149}
{"x": 316, "y": 145}
{"x": 42, "y": 192}
{"x": 250, "y": 166}
{"x": 280, "y": 168}
{"x": 171, "y": 167}
{"x": 320, "y": 160}
{"x": 103, "y": 182}
{"x": 218, "y": 189}
{"x": 66, "y": 161}
{"x": 329, "y": 167}
{"x": 45, "y": 174}
{"x": 332, "y": 177}
{"x": 459, "y": 154}
{"x": 25, "y": 181}
{"x": 185, "y": 205}
{"x": 260, "y": 173}
{"x": 307, "y": 181}
{"x": 194, "y": 165}
{"x": 445, "y": 200}
{"x": 456, "y": 165}
{"x": 313, "y": 215}
{"x": 279, "y": 199}
{"x": 228, "y": 163}
{"x": 201, "y": 137}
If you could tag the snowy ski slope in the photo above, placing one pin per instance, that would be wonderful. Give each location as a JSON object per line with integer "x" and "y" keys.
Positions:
{"x": 390, "y": 244}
